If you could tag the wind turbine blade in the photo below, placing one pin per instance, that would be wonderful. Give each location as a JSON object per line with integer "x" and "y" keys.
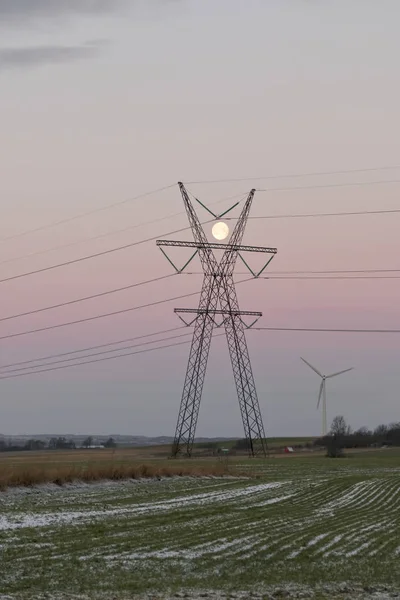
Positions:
{"x": 339, "y": 373}
{"x": 311, "y": 367}
{"x": 321, "y": 389}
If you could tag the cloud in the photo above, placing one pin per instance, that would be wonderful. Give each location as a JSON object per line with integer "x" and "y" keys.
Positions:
{"x": 23, "y": 11}
{"x": 28, "y": 57}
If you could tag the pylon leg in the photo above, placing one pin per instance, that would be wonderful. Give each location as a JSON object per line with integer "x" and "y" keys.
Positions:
{"x": 193, "y": 386}
{"x": 243, "y": 373}
{"x": 196, "y": 369}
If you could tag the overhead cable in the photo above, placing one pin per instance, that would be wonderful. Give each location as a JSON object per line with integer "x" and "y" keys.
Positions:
{"x": 333, "y": 214}
{"x": 329, "y": 274}
{"x": 102, "y": 352}
{"x": 86, "y": 298}
{"x": 331, "y": 277}
{"x": 111, "y": 233}
{"x": 139, "y": 242}
{"x": 86, "y": 214}
{"x": 91, "y": 256}
{"x": 119, "y": 356}
{"x": 330, "y": 185}
{"x": 105, "y": 315}
{"x": 295, "y": 175}
{"x": 325, "y": 330}
{"x": 89, "y": 348}
{"x": 335, "y": 271}
{"x": 96, "y": 360}
{"x": 110, "y": 250}
{"x": 95, "y": 317}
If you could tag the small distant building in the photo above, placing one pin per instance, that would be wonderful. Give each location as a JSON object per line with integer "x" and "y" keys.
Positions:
{"x": 289, "y": 450}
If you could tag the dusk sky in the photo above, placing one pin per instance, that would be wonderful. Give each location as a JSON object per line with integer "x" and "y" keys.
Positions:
{"x": 102, "y": 101}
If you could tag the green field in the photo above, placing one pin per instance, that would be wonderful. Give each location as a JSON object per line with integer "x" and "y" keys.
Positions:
{"x": 304, "y": 527}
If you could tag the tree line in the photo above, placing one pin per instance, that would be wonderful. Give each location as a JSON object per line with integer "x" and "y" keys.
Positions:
{"x": 341, "y": 436}
{"x": 55, "y": 443}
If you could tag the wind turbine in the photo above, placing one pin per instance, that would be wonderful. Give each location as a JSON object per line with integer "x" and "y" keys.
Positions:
{"x": 322, "y": 392}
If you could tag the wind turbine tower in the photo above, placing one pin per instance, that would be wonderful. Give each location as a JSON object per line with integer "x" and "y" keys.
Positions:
{"x": 322, "y": 392}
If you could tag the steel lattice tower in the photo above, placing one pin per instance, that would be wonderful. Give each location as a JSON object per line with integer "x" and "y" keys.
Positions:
{"x": 218, "y": 288}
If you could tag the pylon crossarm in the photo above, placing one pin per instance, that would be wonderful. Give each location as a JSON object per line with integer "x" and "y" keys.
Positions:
{"x": 228, "y": 211}
{"x": 220, "y": 215}
{"x": 215, "y": 246}
{"x": 174, "y": 265}
{"x": 248, "y": 266}
{"x": 189, "y": 261}
{"x": 169, "y": 260}
{"x": 187, "y": 324}
{"x": 251, "y": 324}
{"x": 254, "y": 273}
{"x": 207, "y": 209}
{"x": 221, "y": 324}
{"x": 211, "y": 311}
{"x": 265, "y": 266}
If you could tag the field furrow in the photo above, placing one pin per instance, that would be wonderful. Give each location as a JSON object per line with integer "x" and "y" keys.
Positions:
{"x": 307, "y": 522}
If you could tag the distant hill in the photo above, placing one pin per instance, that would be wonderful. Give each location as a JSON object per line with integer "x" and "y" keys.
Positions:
{"x": 121, "y": 440}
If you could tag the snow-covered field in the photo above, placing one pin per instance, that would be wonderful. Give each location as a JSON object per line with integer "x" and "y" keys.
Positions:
{"x": 295, "y": 526}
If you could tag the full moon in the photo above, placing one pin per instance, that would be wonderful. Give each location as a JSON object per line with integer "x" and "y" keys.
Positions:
{"x": 220, "y": 230}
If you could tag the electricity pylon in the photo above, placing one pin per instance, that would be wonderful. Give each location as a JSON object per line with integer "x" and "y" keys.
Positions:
{"x": 218, "y": 288}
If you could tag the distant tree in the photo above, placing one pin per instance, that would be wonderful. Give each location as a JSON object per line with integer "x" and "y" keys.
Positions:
{"x": 363, "y": 431}
{"x": 88, "y": 442}
{"x": 339, "y": 427}
{"x": 394, "y": 425}
{"x": 52, "y": 445}
{"x": 334, "y": 447}
{"x": 110, "y": 443}
{"x": 381, "y": 431}
{"x": 393, "y": 434}
{"x": 337, "y": 438}
{"x": 61, "y": 443}
{"x": 70, "y": 444}
{"x": 242, "y": 444}
{"x": 35, "y": 445}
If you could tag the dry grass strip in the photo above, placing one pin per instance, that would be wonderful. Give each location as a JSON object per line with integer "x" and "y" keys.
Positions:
{"x": 60, "y": 474}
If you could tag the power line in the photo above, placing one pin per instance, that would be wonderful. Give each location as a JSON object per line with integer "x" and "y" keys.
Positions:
{"x": 373, "y": 274}
{"x": 105, "y": 315}
{"x": 89, "y": 348}
{"x": 110, "y": 250}
{"x": 132, "y": 244}
{"x": 100, "y": 359}
{"x": 337, "y": 214}
{"x": 88, "y": 239}
{"x": 90, "y": 256}
{"x": 85, "y": 298}
{"x": 329, "y": 185}
{"x": 94, "y": 318}
{"x": 334, "y": 277}
{"x": 324, "y": 330}
{"x": 96, "y": 360}
{"x": 66, "y": 360}
{"x": 336, "y": 271}
{"x": 330, "y": 277}
{"x": 86, "y": 214}
{"x": 294, "y": 176}
{"x": 110, "y": 233}
{"x": 289, "y": 329}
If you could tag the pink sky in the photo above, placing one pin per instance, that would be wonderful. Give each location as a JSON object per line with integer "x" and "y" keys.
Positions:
{"x": 188, "y": 92}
